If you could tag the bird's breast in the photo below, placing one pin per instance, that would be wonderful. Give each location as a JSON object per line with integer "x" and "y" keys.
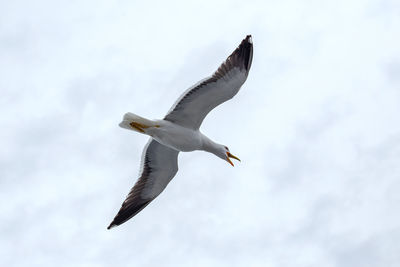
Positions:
{"x": 177, "y": 137}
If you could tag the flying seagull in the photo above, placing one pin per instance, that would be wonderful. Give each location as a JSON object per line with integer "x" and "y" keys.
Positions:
{"x": 179, "y": 130}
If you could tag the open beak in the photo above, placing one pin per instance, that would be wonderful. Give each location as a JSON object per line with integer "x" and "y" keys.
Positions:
{"x": 229, "y": 155}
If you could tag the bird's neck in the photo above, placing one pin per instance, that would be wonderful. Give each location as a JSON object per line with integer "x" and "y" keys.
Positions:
{"x": 210, "y": 146}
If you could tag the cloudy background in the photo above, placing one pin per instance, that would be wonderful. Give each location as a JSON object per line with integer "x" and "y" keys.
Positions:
{"x": 316, "y": 125}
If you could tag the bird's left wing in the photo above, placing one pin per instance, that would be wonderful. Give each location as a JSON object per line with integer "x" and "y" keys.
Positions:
{"x": 194, "y": 105}
{"x": 159, "y": 165}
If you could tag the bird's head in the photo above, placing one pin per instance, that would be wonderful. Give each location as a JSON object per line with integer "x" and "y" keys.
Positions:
{"x": 226, "y": 155}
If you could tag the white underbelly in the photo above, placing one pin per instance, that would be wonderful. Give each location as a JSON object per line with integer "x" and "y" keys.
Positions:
{"x": 177, "y": 137}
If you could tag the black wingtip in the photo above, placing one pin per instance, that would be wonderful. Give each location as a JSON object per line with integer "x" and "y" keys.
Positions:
{"x": 128, "y": 211}
{"x": 245, "y": 51}
{"x": 111, "y": 226}
{"x": 242, "y": 57}
{"x": 248, "y": 39}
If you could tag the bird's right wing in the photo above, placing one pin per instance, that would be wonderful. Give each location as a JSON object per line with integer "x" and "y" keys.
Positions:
{"x": 193, "y": 106}
{"x": 159, "y": 165}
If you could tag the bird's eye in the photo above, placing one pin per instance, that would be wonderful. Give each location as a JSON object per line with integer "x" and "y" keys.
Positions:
{"x": 226, "y": 148}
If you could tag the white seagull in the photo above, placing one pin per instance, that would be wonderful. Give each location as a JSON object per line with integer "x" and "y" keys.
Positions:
{"x": 179, "y": 130}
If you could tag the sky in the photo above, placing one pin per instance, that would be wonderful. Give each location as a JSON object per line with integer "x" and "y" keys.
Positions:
{"x": 316, "y": 125}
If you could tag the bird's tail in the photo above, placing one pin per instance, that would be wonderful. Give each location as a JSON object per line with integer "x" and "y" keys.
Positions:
{"x": 136, "y": 123}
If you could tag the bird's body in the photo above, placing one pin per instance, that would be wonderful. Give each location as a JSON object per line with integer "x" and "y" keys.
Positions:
{"x": 179, "y": 130}
{"x": 177, "y": 137}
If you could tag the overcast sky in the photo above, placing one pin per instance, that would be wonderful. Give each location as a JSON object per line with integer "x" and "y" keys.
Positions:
{"x": 316, "y": 125}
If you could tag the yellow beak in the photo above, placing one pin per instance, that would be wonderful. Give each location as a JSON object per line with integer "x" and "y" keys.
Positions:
{"x": 229, "y": 155}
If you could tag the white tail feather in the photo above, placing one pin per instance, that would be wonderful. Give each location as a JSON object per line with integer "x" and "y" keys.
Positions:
{"x": 130, "y": 117}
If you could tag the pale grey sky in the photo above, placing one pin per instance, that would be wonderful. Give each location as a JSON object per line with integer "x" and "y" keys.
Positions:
{"x": 316, "y": 125}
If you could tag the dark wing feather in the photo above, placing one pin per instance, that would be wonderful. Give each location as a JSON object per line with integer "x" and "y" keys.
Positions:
{"x": 159, "y": 166}
{"x": 194, "y": 105}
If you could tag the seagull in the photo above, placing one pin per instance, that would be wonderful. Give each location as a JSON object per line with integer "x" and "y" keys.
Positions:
{"x": 179, "y": 130}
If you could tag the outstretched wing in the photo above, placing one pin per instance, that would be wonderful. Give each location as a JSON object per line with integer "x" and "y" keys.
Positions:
{"x": 159, "y": 165}
{"x": 194, "y": 105}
